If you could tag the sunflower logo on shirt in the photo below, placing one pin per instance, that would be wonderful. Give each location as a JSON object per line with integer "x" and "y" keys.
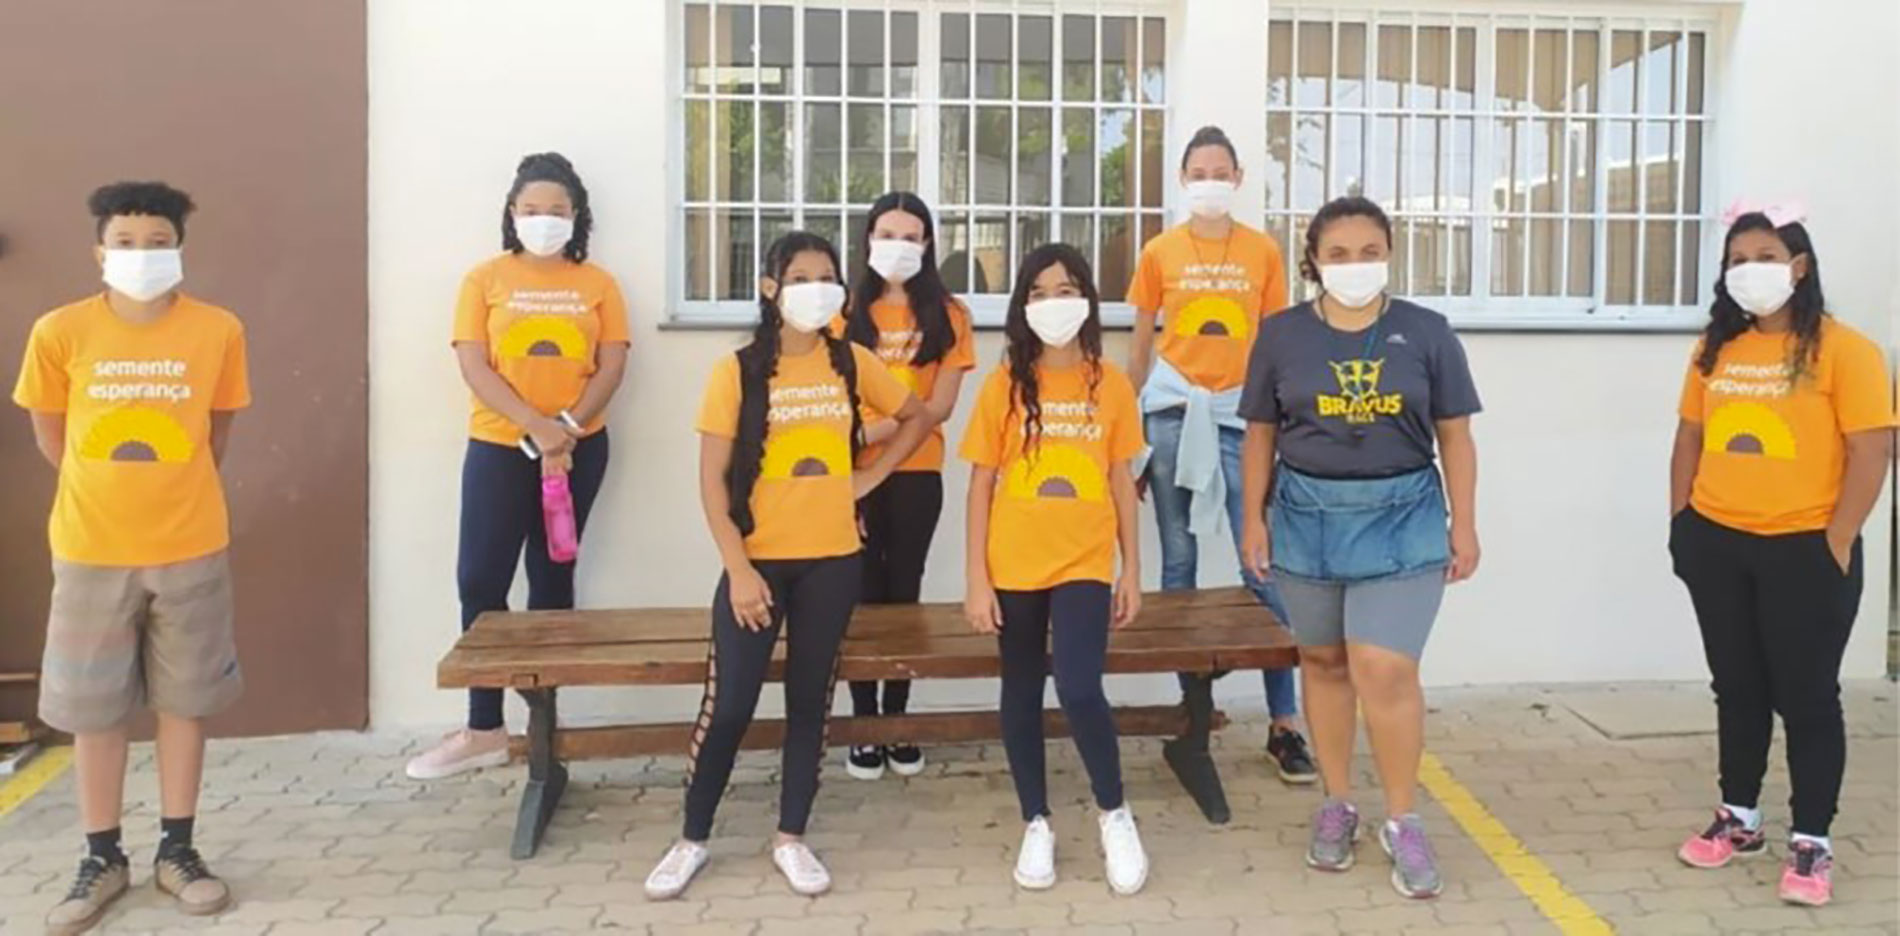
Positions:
{"x": 1359, "y": 401}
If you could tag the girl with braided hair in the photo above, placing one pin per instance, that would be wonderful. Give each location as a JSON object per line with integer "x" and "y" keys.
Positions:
{"x": 780, "y": 430}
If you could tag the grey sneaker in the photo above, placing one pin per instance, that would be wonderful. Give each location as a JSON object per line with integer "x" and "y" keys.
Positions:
{"x": 1414, "y": 866}
{"x": 94, "y": 889}
{"x": 1335, "y": 828}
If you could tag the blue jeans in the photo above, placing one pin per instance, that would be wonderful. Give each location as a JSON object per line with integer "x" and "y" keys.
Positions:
{"x": 1180, "y": 552}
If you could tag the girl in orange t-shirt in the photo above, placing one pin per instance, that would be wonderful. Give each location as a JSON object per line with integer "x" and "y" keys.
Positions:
{"x": 541, "y": 336}
{"x": 1786, "y": 429}
{"x": 1052, "y": 498}
{"x": 780, "y": 428}
{"x": 902, "y": 311}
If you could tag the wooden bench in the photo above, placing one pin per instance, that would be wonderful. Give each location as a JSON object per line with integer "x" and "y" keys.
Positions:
{"x": 1203, "y": 633}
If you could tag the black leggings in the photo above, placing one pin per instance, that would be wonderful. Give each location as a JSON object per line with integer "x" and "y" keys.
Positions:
{"x": 1775, "y": 613}
{"x": 1078, "y": 614}
{"x": 501, "y": 512}
{"x": 817, "y": 597}
{"x": 900, "y": 517}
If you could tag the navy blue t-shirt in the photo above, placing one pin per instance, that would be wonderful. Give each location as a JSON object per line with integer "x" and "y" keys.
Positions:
{"x": 1358, "y": 404}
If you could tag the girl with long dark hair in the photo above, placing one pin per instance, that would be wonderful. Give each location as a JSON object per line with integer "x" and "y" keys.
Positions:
{"x": 1052, "y": 500}
{"x": 901, "y": 310}
{"x": 541, "y": 335}
{"x": 1785, "y": 434}
{"x": 780, "y": 431}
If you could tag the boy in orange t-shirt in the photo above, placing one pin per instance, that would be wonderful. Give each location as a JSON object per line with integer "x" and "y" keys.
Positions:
{"x": 132, "y": 392}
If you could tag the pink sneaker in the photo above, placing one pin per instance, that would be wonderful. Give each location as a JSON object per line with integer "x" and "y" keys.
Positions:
{"x": 459, "y": 752}
{"x": 1726, "y": 839}
{"x": 1808, "y": 876}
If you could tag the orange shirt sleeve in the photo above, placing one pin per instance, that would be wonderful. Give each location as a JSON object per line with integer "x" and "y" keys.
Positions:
{"x": 44, "y": 385}
{"x": 234, "y": 380}
{"x": 719, "y": 408}
{"x": 1273, "y": 291}
{"x": 983, "y": 439}
{"x": 1144, "y": 291}
{"x": 1861, "y": 391}
{"x": 471, "y": 310}
{"x": 878, "y": 388}
{"x": 1125, "y": 437}
{"x": 1690, "y": 407}
{"x": 962, "y": 355}
{"x": 613, "y": 315}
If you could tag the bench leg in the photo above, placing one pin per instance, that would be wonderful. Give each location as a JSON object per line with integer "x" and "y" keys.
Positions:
{"x": 1188, "y": 754}
{"x": 547, "y": 777}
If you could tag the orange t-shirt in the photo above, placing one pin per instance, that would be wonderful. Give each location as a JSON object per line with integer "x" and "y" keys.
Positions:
{"x": 897, "y": 338}
{"x": 138, "y": 485}
{"x": 802, "y": 506}
{"x": 1053, "y": 517}
{"x": 1773, "y": 455}
{"x": 1211, "y": 295}
{"x": 542, "y": 326}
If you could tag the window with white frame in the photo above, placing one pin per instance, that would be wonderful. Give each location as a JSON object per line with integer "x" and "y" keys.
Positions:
{"x": 1019, "y": 121}
{"x": 1539, "y": 170}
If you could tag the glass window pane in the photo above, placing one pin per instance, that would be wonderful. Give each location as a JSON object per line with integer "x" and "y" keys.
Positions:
{"x": 775, "y": 49}
{"x": 698, "y": 151}
{"x": 1507, "y": 256}
{"x": 993, "y": 155}
{"x": 1697, "y": 74}
{"x": 1662, "y": 162}
{"x": 992, "y": 56}
{"x": 1434, "y": 67}
{"x": 1279, "y": 63}
{"x": 849, "y": 245}
{"x": 953, "y": 250}
{"x": 1035, "y": 58}
{"x": 904, "y": 55}
{"x": 775, "y": 151}
{"x": 698, "y": 48}
{"x": 732, "y": 47}
{"x": 1315, "y": 64}
{"x": 1692, "y": 169}
{"x": 1622, "y": 167}
{"x": 1117, "y": 264}
{"x": 1691, "y": 255}
{"x": 1118, "y": 58}
{"x": 904, "y": 148}
{"x": 1466, "y": 98}
{"x": 1659, "y": 263}
{"x": 954, "y": 153}
{"x": 1078, "y": 58}
{"x": 1382, "y": 184}
{"x": 1348, "y": 176}
{"x": 1549, "y": 68}
{"x": 1032, "y": 231}
{"x": 1401, "y": 262}
{"x": 772, "y": 226}
{"x": 824, "y": 144}
{"x": 1622, "y": 263}
{"x": 1114, "y": 144}
{"x": 1583, "y": 165}
{"x": 732, "y": 149}
{"x": 1153, "y": 161}
{"x": 1510, "y": 174}
{"x": 1661, "y": 73}
{"x": 1462, "y": 166}
{"x": 824, "y": 53}
{"x": 1546, "y": 256}
{"x": 1350, "y": 87}
{"x": 1154, "y": 60}
{"x": 1309, "y": 161}
{"x": 1620, "y": 93}
{"x": 1461, "y": 257}
{"x": 1279, "y": 158}
{"x": 1512, "y": 74}
{"x": 1035, "y": 133}
{"x": 1583, "y": 250}
{"x": 1544, "y": 168}
{"x": 866, "y": 141}
{"x": 1395, "y": 65}
{"x": 732, "y": 252}
{"x": 698, "y": 257}
{"x": 1078, "y": 231}
{"x": 989, "y": 245}
{"x": 1583, "y": 71}
{"x": 825, "y": 224}
{"x": 1078, "y": 157}
{"x": 865, "y": 77}
{"x": 955, "y": 43}
{"x": 1152, "y": 224}
{"x": 1424, "y": 156}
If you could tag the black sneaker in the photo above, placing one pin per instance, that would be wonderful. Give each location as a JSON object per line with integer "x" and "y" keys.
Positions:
{"x": 907, "y": 760}
{"x": 865, "y": 763}
{"x": 1287, "y": 748}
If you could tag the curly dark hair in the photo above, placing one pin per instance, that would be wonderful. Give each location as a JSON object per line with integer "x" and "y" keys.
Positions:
{"x": 758, "y": 362}
{"x": 1351, "y": 206}
{"x": 549, "y": 167}
{"x": 1807, "y": 307}
{"x": 929, "y": 300}
{"x": 154, "y": 199}
{"x": 1025, "y": 348}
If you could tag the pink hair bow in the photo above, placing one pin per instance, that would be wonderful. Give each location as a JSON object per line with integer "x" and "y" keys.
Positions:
{"x": 1780, "y": 214}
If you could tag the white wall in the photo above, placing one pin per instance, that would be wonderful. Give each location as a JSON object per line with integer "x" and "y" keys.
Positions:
{"x": 1575, "y": 584}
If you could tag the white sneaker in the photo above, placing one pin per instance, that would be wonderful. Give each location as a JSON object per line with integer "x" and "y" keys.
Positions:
{"x": 802, "y": 869}
{"x": 1121, "y": 847}
{"x": 459, "y": 752}
{"x": 676, "y": 870}
{"x": 1036, "y": 860}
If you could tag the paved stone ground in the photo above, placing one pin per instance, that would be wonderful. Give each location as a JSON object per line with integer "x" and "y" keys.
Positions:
{"x": 321, "y": 834}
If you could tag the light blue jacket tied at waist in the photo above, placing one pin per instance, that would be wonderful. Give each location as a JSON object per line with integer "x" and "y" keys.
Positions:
{"x": 1197, "y": 465}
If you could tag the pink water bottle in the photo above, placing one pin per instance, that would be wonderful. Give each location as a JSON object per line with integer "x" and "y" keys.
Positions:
{"x": 557, "y": 508}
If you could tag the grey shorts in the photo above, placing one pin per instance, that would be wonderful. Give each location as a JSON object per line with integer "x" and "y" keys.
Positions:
{"x": 1394, "y": 613}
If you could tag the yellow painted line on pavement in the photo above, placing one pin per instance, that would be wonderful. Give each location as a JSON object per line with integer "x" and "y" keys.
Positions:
{"x": 1566, "y": 910}
{"x": 39, "y": 772}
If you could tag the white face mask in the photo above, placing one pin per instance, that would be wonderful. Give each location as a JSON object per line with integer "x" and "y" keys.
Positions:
{"x": 1210, "y": 198}
{"x": 896, "y": 260}
{"x": 1354, "y": 284}
{"x": 144, "y": 275}
{"x": 809, "y": 307}
{"x": 1760, "y": 288}
{"x": 543, "y": 235}
{"x": 1056, "y": 321}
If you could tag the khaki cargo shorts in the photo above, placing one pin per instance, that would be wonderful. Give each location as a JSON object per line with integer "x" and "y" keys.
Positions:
{"x": 119, "y": 638}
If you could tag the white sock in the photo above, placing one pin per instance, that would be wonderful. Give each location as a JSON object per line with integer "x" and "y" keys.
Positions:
{"x": 1751, "y": 818}
{"x": 1820, "y": 840}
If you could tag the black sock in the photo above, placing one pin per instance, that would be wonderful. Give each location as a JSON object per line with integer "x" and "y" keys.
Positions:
{"x": 105, "y": 846}
{"x": 174, "y": 834}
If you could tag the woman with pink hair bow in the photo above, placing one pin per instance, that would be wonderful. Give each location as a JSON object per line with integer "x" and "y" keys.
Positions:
{"x": 1786, "y": 431}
